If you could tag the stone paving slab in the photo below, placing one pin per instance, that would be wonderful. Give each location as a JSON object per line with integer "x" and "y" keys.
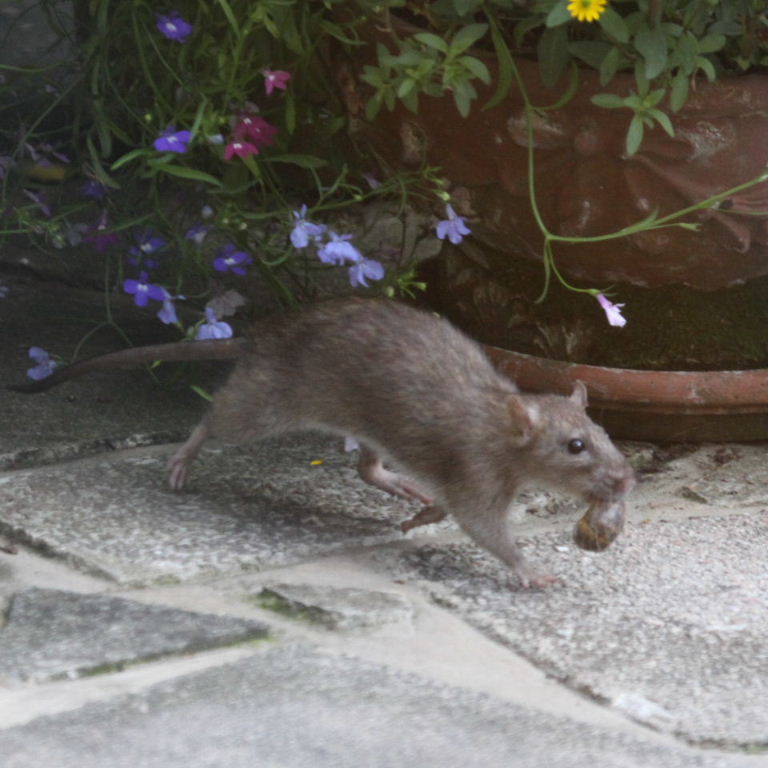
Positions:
{"x": 293, "y": 706}
{"x": 51, "y": 634}
{"x": 250, "y": 509}
{"x": 668, "y": 625}
{"x": 344, "y": 608}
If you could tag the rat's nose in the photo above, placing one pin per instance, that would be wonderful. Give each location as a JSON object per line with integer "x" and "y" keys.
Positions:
{"x": 625, "y": 481}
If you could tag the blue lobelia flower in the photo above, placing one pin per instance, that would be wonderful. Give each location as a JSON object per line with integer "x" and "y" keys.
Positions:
{"x": 232, "y": 260}
{"x": 304, "y": 230}
{"x": 172, "y": 140}
{"x": 367, "y": 268}
{"x": 143, "y": 291}
{"x": 174, "y": 27}
{"x": 454, "y": 227}
{"x": 94, "y": 189}
{"x": 45, "y": 365}
{"x": 214, "y": 328}
{"x": 198, "y": 233}
{"x": 147, "y": 242}
{"x": 339, "y": 250}
{"x": 168, "y": 314}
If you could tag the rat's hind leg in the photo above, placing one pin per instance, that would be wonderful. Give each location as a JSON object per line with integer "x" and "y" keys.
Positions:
{"x": 372, "y": 471}
{"x": 178, "y": 465}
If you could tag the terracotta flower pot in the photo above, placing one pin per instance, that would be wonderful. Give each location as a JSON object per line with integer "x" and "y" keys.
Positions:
{"x": 586, "y": 184}
{"x": 679, "y": 406}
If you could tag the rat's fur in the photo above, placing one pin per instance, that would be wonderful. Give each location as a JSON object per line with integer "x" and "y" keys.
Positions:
{"x": 416, "y": 392}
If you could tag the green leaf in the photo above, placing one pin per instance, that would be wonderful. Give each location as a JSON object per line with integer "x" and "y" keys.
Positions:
{"x": 634, "y": 135}
{"x": 230, "y": 16}
{"x": 405, "y": 87}
{"x": 663, "y": 120}
{"x": 591, "y": 52}
{"x": 522, "y": 28}
{"x": 608, "y": 101}
{"x": 433, "y": 41}
{"x": 200, "y": 391}
{"x": 559, "y": 15}
{"x": 679, "y": 92}
{"x": 463, "y": 102}
{"x": 505, "y": 68}
{"x": 477, "y": 68}
{"x": 127, "y": 158}
{"x": 707, "y": 67}
{"x": 711, "y": 43}
{"x": 609, "y": 66}
{"x": 686, "y": 51}
{"x": 303, "y": 161}
{"x": 614, "y": 26}
{"x": 654, "y": 97}
{"x": 463, "y": 7}
{"x": 373, "y": 107}
{"x": 652, "y": 46}
{"x": 466, "y": 37}
{"x": 184, "y": 173}
{"x": 553, "y": 54}
{"x": 411, "y": 101}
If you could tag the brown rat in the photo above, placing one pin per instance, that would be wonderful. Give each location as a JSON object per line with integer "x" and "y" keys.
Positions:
{"x": 417, "y": 393}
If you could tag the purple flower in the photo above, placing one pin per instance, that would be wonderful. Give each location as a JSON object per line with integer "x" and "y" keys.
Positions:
{"x": 232, "y": 260}
{"x": 303, "y": 230}
{"x": 275, "y": 78}
{"x": 338, "y": 250}
{"x": 173, "y": 141}
{"x": 367, "y": 268}
{"x": 143, "y": 291}
{"x": 241, "y": 149}
{"x": 612, "y": 311}
{"x": 197, "y": 233}
{"x": 45, "y": 365}
{"x": 147, "y": 242}
{"x": 94, "y": 189}
{"x": 174, "y": 27}
{"x": 213, "y": 329}
{"x": 454, "y": 227}
{"x": 255, "y": 128}
{"x": 168, "y": 314}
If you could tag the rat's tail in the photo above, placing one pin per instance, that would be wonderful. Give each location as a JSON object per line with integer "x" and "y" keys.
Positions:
{"x": 213, "y": 349}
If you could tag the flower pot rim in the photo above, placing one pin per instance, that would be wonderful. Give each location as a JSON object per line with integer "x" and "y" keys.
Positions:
{"x": 679, "y": 391}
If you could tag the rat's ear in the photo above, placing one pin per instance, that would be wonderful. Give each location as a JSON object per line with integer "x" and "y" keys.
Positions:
{"x": 524, "y": 417}
{"x": 579, "y": 394}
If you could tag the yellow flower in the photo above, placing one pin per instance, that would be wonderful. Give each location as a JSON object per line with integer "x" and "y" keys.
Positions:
{"x": 587, "y": 10}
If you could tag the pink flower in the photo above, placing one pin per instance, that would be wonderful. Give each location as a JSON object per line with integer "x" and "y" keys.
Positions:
{"x": 612, "y": 311}
{"x": 275, "y": 78}
{"x": 240, "y": 148}
{"x": 257, "y": 129}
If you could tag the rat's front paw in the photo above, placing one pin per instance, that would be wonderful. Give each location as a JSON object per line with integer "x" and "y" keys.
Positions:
{"x": 528, "y": 578}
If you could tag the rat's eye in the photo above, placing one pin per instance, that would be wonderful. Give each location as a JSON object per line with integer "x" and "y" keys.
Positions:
{"x": 576, "y": 446}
